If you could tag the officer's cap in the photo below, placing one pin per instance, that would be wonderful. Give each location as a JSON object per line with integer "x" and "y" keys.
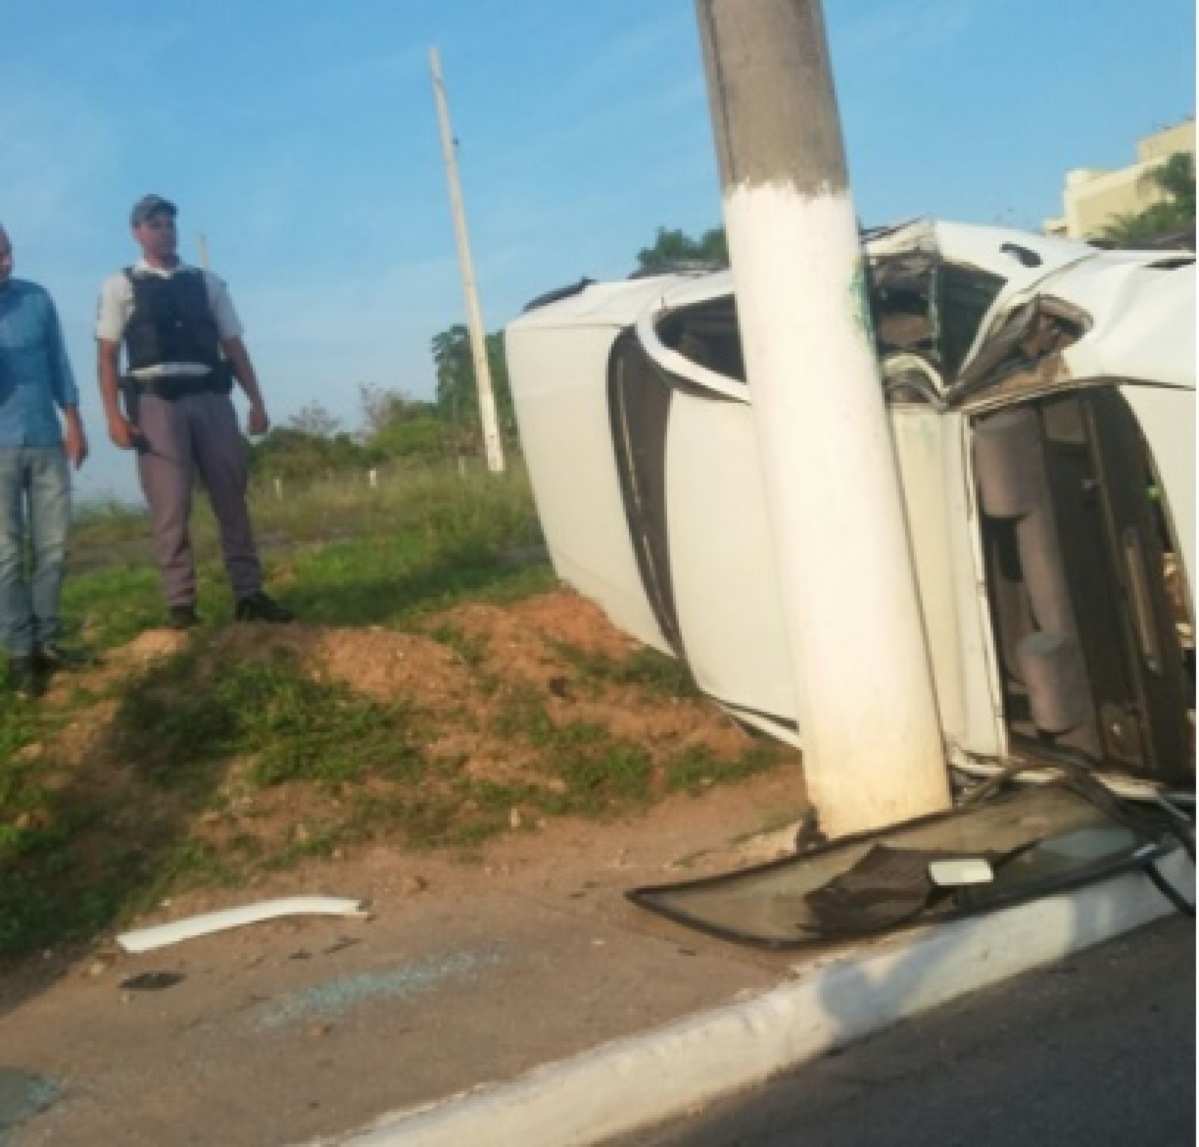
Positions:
{"x": 149, "y": 205}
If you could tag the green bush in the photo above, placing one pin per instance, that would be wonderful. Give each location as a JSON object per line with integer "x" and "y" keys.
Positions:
{"x": 418, "y": 439}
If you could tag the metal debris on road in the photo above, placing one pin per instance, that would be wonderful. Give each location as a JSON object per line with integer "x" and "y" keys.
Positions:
{"x": 152, "y": 981}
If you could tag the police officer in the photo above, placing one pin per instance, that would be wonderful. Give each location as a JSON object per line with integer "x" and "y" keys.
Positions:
{"x": 182, "y": 341}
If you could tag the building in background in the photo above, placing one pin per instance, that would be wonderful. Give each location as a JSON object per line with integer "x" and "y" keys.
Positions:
{"x": 1093, "y": 198}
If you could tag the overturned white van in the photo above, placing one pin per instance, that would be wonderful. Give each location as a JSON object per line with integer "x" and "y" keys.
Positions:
{"x": 1042, "y": 399}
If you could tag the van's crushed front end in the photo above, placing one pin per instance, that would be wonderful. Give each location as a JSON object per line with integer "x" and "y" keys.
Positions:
{"x": 1042, "y": 401}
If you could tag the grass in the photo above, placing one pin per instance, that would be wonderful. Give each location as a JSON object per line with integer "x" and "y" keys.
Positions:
{"x": 208, "y": 772}
{"x": 646, "y": 668}
{"x": 696, "y": 769}
{"x": 357, "y": 764}
{"x": 181, "y": 793}
{"x": 183, "y": 715}
{"x": 471, "y": 650}
{"x": 424, "y": 540}
{"x": 436, "y": 502}
{"x": 18, "y": 726}
{"x": 600, "y": 774}
{"x": 336, "y": 551}
{"x": 180, "y": 725}
{"x": 597, "y": 773}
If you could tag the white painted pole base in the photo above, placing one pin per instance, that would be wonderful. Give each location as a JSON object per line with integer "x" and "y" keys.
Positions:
{"x": 867, "y": 716}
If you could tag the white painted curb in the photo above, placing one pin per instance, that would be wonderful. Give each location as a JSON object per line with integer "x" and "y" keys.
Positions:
{"x": 632, "y": 1082}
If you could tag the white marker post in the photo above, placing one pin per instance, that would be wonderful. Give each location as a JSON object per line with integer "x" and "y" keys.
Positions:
{"x": 873, "y": 753}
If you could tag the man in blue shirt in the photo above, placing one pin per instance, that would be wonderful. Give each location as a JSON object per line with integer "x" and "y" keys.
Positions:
{"x": 35, "y": 377}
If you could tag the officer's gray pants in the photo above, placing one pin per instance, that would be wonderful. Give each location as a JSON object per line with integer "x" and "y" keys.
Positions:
{"x": 183, "y": 436}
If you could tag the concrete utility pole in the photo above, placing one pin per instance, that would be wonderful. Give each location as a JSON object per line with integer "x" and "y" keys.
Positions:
{"x": 202, "y": 245}
{"x": 492, "y": 443}
{"x": 867, "y": 713}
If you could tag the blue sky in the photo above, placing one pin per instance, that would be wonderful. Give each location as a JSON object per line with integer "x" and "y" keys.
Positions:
{"x": 301, "y": 139}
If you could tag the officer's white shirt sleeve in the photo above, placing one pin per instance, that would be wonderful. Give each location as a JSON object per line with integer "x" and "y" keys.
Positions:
{"x": 116, "y": 305}
{"x": 228, "y": 325}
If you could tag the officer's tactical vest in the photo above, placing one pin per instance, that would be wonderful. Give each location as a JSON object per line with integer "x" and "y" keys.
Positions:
{"x": 171, "y": 321}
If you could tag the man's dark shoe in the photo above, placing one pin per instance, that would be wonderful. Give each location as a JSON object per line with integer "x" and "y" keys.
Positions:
{"x": 258, "y": 606}
{"x": 50, "y": 657}
{"x": 183, "y": 617}
{"x": 21, "y": 678}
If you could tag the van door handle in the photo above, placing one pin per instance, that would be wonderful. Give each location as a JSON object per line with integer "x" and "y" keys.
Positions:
{"x": 1142, "y": 605}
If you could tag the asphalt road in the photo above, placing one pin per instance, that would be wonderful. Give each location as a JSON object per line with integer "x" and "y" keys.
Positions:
{"x": 1095, "y": 1051}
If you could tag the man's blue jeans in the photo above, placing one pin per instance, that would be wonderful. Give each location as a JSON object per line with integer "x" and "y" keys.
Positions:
{"x": 35, "y": 487}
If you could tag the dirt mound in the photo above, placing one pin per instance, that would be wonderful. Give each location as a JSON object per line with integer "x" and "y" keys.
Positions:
{"x": 120, "y": 664}
{"x": 485, "y": 675}
{"x": 515, "y": 649}
{"x": 527, "y": 639}
{"x": 554, "y": 655}
{"x": 568, "y": 617}
{"x": 381, "y": 663}
{"x": 491, "y": 721}
{"x": 82, "y": 737}
{"x": 559, "y": 654}
{"x": 152, "y": 644}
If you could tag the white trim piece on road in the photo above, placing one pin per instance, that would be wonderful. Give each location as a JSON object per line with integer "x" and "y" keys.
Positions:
{"x": 639, "y": 1080}
{"x": 160, "y": 935}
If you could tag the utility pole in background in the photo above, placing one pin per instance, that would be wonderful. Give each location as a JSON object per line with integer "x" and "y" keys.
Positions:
{"x": 202, "y": 246}
{"x": 492, "y": 443}
{"x": 868, "y": 720}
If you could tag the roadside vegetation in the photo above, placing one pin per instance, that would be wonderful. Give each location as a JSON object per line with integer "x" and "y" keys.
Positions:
{"x": 437, "y": 690}
{"x": 340, "y": 551}
{"x": 1170, "y": 221}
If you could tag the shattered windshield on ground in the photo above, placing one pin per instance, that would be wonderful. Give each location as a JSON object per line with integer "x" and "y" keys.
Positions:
{"x": 1018, "y": 846}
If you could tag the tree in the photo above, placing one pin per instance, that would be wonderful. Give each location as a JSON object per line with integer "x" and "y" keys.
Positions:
{"x": 289, "y": 452}
{"x": 455, "y": 371}
{"x": 457, "y": 395}
{"x": 1172, "y": 218}
{"x": 673, "y": 250}
{"x": 1176, "y": 177}
{"x": 377, "y": 408}
{"x": 310, "y": 444}
{"x": 399, "y": 426}
{"x": 315, "y": 420}
{"x": 384, "y": 408}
